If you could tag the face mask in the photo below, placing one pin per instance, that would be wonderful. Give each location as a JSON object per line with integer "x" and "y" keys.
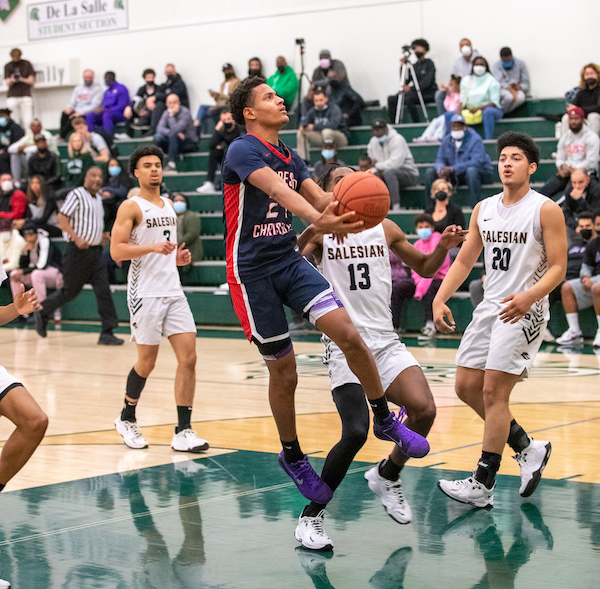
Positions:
{"x": 6, "y": 186}
{"x": 479, "y": 70}
{"x": 382, "y": 138}
{"x": 324, "y": 63}
{"x": 466, "y": 50}
{"x": 508, "y": 64}
{"x": 171, "y": 77}
{"x": 586, "y": 234}
{"x": 36, "y": 130}
{"x": 42, "y": 149}
{"x": 151, "y": 84}
{"x": 328, "y": 153}
{"x": 419, "y": 54}
{"x": 230, "y": 126}
{"x": 281, "y": 68}
{"x": 179, "y": 207}
{"x": 591, "y": 83}
{"x": 254, "y": 72}
{"x": 3, "y": 121}
{"x": 441, "y": 195}
{"x": 457, "y": 135}
{"x": 114, "y": 170}
{"x": 424, "y": 232}
{"x": 321, "y": 108}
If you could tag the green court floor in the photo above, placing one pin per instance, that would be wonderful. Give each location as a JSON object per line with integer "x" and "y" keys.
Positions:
{"x": 228, "y": 522}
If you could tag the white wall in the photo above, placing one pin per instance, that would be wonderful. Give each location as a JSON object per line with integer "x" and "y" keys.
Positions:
{"x": 554, "y": 37}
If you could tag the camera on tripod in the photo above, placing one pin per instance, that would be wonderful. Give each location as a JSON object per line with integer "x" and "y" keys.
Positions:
{"x": 300, "y": 42}
{"x": 406, "y": 51}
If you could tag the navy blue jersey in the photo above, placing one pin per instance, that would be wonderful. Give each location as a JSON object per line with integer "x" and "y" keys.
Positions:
{"x": 258, "y": 231}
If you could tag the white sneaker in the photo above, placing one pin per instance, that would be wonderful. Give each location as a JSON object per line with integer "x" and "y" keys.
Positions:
{"x": 427, "y": 333}
{"x": 391, "y": 495}
{"x": 188, "y": 441}
{"x": 4, "y": 584}
{"x": 311, "y": 534}
{"x": 569, "y": 338}
{"x": 132, "y": 436}
{"x": 596, "y": 342}
{"x": 122, "y": 137}
{"x": 170, "y": 168}
{"x": 469, "y": 491}
{"x": 206, "y": 188}
{"x": 532, "y": 462}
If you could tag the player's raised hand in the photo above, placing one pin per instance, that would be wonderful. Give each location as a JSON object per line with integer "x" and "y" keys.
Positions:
{"x": 184, "y": 257}
{"x": 26, "y": 302}
{"x": 329, "y": 222}
{"x": 441, "y": 312}
{"x": 452, "y": 236}
{"x": 518, "y": 306}
{"x": 164, "y": 247}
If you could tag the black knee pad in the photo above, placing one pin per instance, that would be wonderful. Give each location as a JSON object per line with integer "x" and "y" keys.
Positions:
{"x": 274, "y": 350}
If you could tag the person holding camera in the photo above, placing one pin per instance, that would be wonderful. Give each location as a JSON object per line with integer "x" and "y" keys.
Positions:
{"x": 20, "y": 78}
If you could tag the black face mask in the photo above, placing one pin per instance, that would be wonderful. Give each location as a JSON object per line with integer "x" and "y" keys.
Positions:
{"x": 586, "y": 234}
{"x": 254, "y": 72}
{"x": 419, "y": 54}
{"x": 591, "y": 83}
{"x": 151, "y": 84}
{"x": 42, "y": 150}
{"x": 171, "y": 77}
{"x": 441, "y": 195}
{"x": 281, "y": 68}
{"x": 230, "y": 126}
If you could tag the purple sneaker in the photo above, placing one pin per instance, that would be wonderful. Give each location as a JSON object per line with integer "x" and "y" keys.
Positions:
{"x": 411, "y": 443}
{"x": 309, "y": 483}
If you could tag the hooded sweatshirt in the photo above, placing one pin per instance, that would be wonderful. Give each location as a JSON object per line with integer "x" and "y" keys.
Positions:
{"x": 392, "y": 153}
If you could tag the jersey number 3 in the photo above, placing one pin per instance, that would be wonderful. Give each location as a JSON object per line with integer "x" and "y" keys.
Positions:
{"x": 364, "y": 279}
{"x": 501, "y": 259}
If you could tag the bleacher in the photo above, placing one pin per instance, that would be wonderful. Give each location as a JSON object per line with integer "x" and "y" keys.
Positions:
{"x": 212, "y": 306}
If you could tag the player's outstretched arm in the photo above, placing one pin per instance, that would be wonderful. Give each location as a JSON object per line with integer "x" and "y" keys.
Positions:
{"x": 129, "y": 216}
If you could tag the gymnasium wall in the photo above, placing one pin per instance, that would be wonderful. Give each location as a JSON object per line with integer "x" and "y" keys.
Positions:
{"x": 554, "y": 37}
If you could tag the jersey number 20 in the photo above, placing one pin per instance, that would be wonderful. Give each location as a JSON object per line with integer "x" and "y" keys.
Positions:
{"x": 364, "y": 279}
{"x": 501, "y": 259}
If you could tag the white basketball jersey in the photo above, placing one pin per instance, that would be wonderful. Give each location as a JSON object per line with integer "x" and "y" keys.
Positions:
{"x": 359, "y": 271}
{"x": 154, "y": 275}
{"x": 515, "y": 258}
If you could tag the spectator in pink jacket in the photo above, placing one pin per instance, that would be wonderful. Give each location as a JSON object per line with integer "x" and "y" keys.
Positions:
{"x": 426, "y": 288}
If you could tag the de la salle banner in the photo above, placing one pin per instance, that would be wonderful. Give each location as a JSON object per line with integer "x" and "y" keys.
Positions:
{"x": 65, "y": 18}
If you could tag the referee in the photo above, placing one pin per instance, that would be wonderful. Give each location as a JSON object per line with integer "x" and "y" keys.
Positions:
{"x": 82, "y": 219}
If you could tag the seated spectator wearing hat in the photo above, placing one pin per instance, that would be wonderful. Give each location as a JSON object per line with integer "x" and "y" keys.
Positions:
{"x": 425, "y": 72}
{"x": 392, "y": 160}
{"x": 44, "y": 164}
{"x": 110, "y": 112}
{"x": 579, "y": 147}
{"x": 39, "y": 263}
{"x": 284, "y": 81}
{"x": 323, "y": 121}
{"x": 583, "y": 292}
{"x": 176, "y": 133}
{"x": 95, "y": 141}
{"x": 514, "y": 80}
{"x": 582, "y": 195}
{"x": 461, "y": 159}
{"x": 10, "y": 133}
{"x": 13, "y": 202}
{"x": 442, "y": 211}
{"x": 84, "y": 99}
{"x": 320, "y": 75}
{"x": 349, "y": 101}
{"x": 226, "y": 131}
{"x": 329, "y": 157}
{"x": 229, "y": 84}
{"x": 588, "y": 98}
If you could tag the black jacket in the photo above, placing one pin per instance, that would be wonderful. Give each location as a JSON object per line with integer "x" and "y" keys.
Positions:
{"x": 175, "y": 86}
{"x": 225, "y": 137}
{"x": 425, "y": 70}
{"x": 588, "y": 100}
{"x": 10, "y": 133}
{"x": 349, "y": 101}
{"x": 48, "y": 167}
{"x": 48, "y": 255}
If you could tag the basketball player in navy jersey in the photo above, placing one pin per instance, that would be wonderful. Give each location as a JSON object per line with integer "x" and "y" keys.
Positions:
{"x": 264, "y": 184}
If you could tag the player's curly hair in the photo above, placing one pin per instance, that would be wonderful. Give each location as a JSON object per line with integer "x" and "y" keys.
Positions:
{"x": 138, "y": 154}
{"x": 241, "y": 97}
{"x": 325, "y": 179}
{"x": 523, "y": 142}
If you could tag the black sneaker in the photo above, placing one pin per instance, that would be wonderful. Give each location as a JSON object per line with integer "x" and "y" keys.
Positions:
{"x": 41, "y": 323}
{"x": 108, "y": 339}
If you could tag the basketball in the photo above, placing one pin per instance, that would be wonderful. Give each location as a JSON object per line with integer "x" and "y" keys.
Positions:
{"x": 365, "y": 194}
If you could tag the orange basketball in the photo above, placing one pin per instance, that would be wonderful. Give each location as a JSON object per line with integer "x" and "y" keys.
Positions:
{"x": 365, "y": 194}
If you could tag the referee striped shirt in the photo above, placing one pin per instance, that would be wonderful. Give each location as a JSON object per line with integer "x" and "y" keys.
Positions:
{"x": 86, "y": 215}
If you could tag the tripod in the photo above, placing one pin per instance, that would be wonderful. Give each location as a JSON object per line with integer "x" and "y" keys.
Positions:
{"x": 406, "y": 69}
{"x": 303, "y": 74}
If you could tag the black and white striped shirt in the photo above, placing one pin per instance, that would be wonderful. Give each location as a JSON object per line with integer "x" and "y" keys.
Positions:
{"x": 86, "y": 214}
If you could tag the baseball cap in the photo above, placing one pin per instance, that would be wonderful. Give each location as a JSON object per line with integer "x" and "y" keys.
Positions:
{"x": 227, "y": 66}
{"x": 576, "y": 110}
{"x": 5, "y": 111}
{"x": 378, "y": 124}
{"x": 457, "y": 119}
{"x": 325, "y": 53}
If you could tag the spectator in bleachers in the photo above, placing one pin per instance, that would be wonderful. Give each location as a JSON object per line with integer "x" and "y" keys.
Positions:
{"x": 157, "y": 103}
{"x": 19, "y": 76}
{"x": 307, "y": 102}
{"x": 226, "y": 131}
{"x": 13, "y": 202}
{"x": 45, "y": 164}
{"x": 36, "y": 201}
{"x": 579, "y": 147}
{"x": 176, "y": 133}
{"x": 365, "y": 163}
{"x": 229, "y": 84}
{"x": 588, "y": 98}
{"x": 403, "y": 288}
{"x": 323, "y": 121}
{"x": 10, "y": 133}
{"x": 320, "y": 75}
{"x": 426, "y": 288}
{"x": 11, "y": 245}
{"x": 514, "y": 80}
{"x": 442, "y": 211}
{"x": 85, "y": 98}
{"x": 582, "y": 194}
{"x": 583, "y": 292}
{"x": 436, "y": 130}
{"x": 113, "y": 192}
{"x": 255, "y": 67}
{"x": 138, "y": 110}
{"x": 79, "y": 162}
{"x": 39, "y": 263}
{"x": 392, "y": 160}
{"x": 461, "y": 159}
{"x": 461, "y": 68}
{"x": 425, "y": 72}
{"x": 480, "y": 95}
{"x": 328, "y": 157}
{"x": 285, "y": 82}
{"x": 188, "y": 228}
{"x": 349, "y": 101}
{"x": 95, "y": 141}
{"x": 24, "y": 148}
{"x": 110, "y": 112}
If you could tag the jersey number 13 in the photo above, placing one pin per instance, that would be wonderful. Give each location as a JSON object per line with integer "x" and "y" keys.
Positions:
{"x": 362, "y": 272}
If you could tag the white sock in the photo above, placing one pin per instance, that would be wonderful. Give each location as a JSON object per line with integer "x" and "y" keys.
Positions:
{"x": 598, "y": 320}
{"x": 573, "y": 321}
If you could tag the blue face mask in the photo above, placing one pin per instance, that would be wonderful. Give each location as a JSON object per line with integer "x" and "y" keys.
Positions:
{"x": 114, "y": 170}
{"x": 179, "y": 206}
{"x": 424, "y": 232}
{"x": 508, "y": 64}
{"x": 328, "y": 153}
{"x": 3, "y": 121}
{"x": 382, "y": 138}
